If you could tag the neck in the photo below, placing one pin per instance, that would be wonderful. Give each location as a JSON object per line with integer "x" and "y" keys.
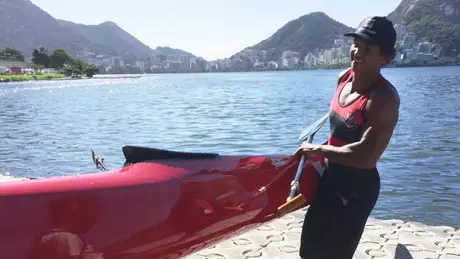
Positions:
{"x": 362, "y": 82}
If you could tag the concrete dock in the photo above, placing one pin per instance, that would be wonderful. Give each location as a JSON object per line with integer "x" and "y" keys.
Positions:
{"x": 382, "y": 239}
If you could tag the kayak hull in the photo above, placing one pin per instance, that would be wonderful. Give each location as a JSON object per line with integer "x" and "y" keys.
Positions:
{"x": 163, "y": 208}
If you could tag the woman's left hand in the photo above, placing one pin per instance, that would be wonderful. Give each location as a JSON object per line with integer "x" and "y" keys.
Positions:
{"x": 308, "y": 149}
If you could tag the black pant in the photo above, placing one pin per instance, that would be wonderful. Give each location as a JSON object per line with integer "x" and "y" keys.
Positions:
{"x": 336, "y": 219}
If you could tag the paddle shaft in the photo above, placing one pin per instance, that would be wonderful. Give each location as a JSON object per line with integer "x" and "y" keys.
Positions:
{"x": 98, "y": 161}
{"x": 295, "y": 185}
{"x": 308, "y": 136}
{"x": 312, "y": 129}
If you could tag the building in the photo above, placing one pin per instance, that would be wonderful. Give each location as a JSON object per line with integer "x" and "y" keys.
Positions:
{"x": 400, "y": 31}
{"x": 263, "y": 55}
{"x": 14, "y": 67}
{"x": 272, "y": 65}
{"x": 282, "y": 62}
{"x": 408, "y": 41}
{"x": 423, "y": 47}
{"x": 141, "y": 65}
{"x": 185, "y": 60}
{"x": 339, "y": 43}
{"x": 116, "y": 62}
{"x": 292, "y": 62}
{"x": 95, "y": 62}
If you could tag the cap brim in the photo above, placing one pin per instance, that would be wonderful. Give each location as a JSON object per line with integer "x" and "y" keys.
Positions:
{"x": 359, "y": 35}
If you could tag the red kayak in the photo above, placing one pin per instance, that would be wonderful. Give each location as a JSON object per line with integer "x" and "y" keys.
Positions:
{"x": 160, "y": 204}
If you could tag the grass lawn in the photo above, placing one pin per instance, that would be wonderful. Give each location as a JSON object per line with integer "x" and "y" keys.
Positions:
{"x": 17, "y": 78}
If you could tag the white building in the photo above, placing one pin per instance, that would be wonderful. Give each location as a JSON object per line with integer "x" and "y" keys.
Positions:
{"x": 400, "y": 31}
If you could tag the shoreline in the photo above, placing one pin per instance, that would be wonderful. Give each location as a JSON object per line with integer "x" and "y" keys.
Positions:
{"x": 60, "y": 77}
{"x": 270, "y": 70}
{"x": 56, "y": 77}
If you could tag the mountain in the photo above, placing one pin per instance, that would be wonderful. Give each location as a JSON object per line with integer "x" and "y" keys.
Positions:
{"x": 171, "y": 51}
{"x": 399, "y": 14}
{"x": 435, "y": 21}
{"x": 409, "y": 10}
{"x": 25, "y": 26}
{"x": 107, "y": 35}
{"x": 305, "y": 34}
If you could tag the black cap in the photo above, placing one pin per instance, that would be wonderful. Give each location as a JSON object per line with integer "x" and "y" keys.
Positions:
{"x": 376, "y": 30}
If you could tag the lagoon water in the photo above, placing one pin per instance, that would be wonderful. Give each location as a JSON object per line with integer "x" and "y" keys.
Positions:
{"x": 47, "y": 128}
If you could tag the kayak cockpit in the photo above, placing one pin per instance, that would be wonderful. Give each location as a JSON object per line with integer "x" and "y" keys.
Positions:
{"x": 134, "y": 154}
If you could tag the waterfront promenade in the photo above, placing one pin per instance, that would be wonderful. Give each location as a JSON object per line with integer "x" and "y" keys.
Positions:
{"x": 382, "y": 239}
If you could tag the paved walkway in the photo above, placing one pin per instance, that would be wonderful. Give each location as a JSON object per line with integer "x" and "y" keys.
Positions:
{"x": 382, "y": 239}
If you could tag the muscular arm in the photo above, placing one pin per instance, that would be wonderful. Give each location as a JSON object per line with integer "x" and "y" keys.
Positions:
{"x": 382, "y": 112}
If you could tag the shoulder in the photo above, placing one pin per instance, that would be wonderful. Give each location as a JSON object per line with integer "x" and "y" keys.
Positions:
{"x": 385, "y": 95}
{"x": 383, "y": 106}
{"x": 342, "y": 74}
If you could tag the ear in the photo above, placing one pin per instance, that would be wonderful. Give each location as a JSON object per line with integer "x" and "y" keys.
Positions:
{"x": 386, "y": 59}
{"x": 388, "y": 56}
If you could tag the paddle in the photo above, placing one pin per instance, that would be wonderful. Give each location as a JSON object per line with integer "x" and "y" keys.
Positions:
{"x": 313, "y": 129}
{"x": 98, "y": 161}
{"x": 296, "y": 199}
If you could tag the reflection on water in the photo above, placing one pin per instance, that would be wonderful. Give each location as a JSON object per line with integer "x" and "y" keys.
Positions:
{"x": 49, "y": 127}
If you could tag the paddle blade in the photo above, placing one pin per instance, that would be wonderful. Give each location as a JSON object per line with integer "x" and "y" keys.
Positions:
{"x": 94, "y": 156}
{"x": 98, "y": 161}
{"x": 313, "y": 128}
{"x": 290, "y": 205}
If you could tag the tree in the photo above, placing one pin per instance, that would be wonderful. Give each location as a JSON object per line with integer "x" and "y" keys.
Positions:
{"x": 59, "y": 58}
{"x": 78, "y": 67}
{"x": 11, "y": 54}
{"x": 428, "y": 21}
{"x": 422, "y": 9}
{"x": 91, "y": 70}
{"x": 41, "y": 57}
{"x": 444, "y": 33}
{"x": 37, "y": 67}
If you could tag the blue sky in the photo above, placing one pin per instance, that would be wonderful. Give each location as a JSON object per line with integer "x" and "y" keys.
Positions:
{"x": 211, "y": 29}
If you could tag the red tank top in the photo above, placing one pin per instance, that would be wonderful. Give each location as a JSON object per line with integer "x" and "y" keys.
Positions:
{"x": 347, "y": 122}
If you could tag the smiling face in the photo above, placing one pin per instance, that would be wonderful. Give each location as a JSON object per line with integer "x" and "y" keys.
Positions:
{"x": 366, "y": 57}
